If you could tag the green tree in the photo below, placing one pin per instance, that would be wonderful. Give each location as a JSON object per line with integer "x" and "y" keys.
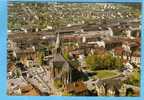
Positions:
{"x": 118, "y": 63}
{"x": 134, "y": 79}
{"x": 57, "y": 83}
{"x": 74, "y": 63}
{"x": 66, "y": 55}
{"x": 107, "y": 61}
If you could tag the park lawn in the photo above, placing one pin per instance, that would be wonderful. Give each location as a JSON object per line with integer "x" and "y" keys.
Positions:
{"x": 106, "y": 73}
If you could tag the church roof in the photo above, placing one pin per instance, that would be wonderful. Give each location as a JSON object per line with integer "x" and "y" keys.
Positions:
{"x": 58, "y": 58}
{"x": 58, "y": 61}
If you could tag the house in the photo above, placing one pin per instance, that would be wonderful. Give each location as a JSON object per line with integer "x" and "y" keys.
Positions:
{"x": 20, "y": 87}
{"x": 128, "y": 68}
{"x": 94, "y": 29}
{"x": 118, "y": 51}
{"x": 136, "y": 58}
{"x": 127, "y": 51}
{"x": 27, "y": 56}
{"x": 82, "y": 60}
{"x": 112, "y": 43}
{"x": 110, "y": 87}
{"x": 107, "y": 87}
{"x": 100, "y": 51}
{"x": 14, "y": 86}
{"x": 97, "y": 43}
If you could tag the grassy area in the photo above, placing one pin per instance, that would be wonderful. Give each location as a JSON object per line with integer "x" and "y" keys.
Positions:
{"x": 106, "y": 73}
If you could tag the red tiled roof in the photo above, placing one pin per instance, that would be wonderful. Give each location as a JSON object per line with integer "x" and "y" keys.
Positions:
{"x": 118, "y": 50}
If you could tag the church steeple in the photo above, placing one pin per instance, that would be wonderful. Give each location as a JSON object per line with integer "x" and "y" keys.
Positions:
{"x": 58, "y": 44}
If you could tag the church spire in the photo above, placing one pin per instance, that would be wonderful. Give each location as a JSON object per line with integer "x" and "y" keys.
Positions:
{"x": 57, "y": 45}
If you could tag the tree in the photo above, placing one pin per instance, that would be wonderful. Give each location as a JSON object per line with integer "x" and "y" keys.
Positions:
{"x": 40, "y": 57}
{"x": 58, "y": 83}
{"x": 66, "y": 55}
{"x": 107, "y": 61}
{"x": 90, "y": 60}
{"x": 118, "y": 63}
{"x": 134, "y": 79}
{"x": 129, "y": 92}
{"x": 74, "y": 63}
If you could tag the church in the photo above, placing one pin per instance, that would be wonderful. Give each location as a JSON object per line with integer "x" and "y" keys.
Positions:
{"x": 59, "y": 68}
